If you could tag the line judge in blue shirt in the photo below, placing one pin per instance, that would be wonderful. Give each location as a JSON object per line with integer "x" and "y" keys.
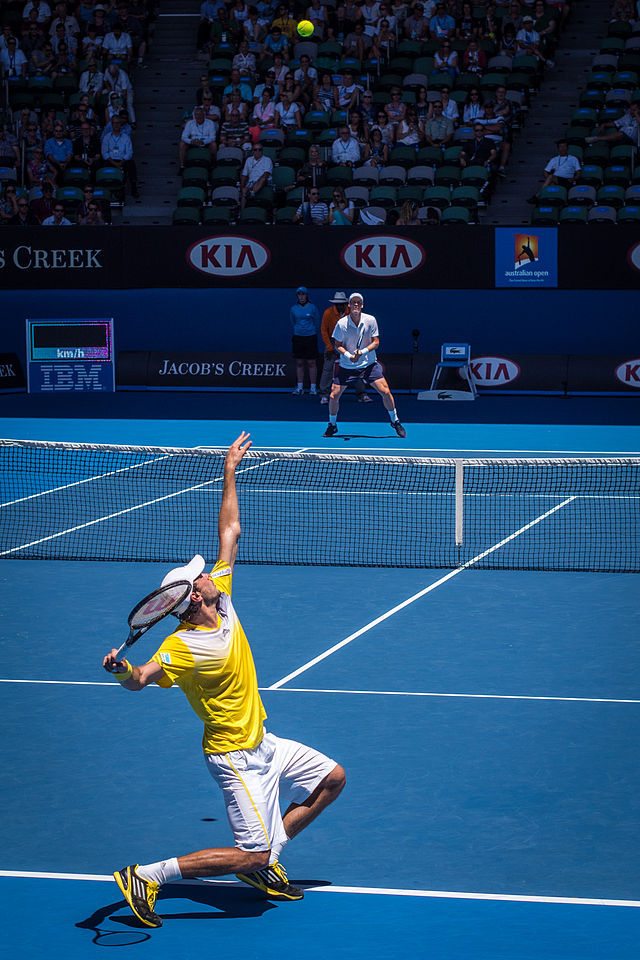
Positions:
{"x": 305, "y": 322}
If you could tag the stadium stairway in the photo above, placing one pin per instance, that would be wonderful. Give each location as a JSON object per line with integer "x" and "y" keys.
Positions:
{"x": 550, "y": 112}
{"x": 164, "y": 88}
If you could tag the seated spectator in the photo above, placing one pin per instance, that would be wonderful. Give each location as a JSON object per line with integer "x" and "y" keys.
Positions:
{"x": 28, "y": 121}
{"x": 395, "y": 109}
{"x": 353, "y": 11}
{"x": 48, "y": 120}
{"x": 438, "y": 131}
{"x": 286, "y": 23}
{"x": 198, "y": 132}
{"x": 280, "y": 67}
{"x": 416, "y": 26}
{"x": 42, "y": 207}
{"x": 91, "y": 80}
{"x": 65, "y": 62}
{"x": 117, "y": 151}
{"x": 513, "y": 17}
{"x": 117, "y": 45}
{"x": 236, "y": 83}
{"x": 563, "y": 169}
{"x": 13, "y": 60}
{"x": 275, "y": 42}
{"x": 441, "y": 26}
{"x": 467, "y": 27}
{"x": 244, "y": 61}
{"x": 317, "y": 15}
{"x": 358, "y": 129}
{"x": 265, "y": 116}
{"x": 400, "y": 10}
{"x": 495, "y": 129}
{"x": 624, "y": 130}
{"x": 422, "y": 104}
{"x": 288, "y": 112}
{"x": 312, "y": 212}
{"x": 508, "y": 43}
{"x": 34, "y": 40}
{"x": 39, "y": 169}
{"x": 345, "y": 150}
{"x": 449, "y": 106}
{"x": 305, "y": 79}
{"x": 58, "y": 150}
{"x": 43, "y": 61}
{"x": 224, "y": 29}
{"x": 256, "y": 173}
{"x": 208, "y": 14}
{"x": 472, "y": 106}
{"x": 71, "y": 25}
{"x": 87, "y": 198}
{"x": 270, "y": 82}
{"x": 82, "y": 113}
{"x": 93, "y": 217}
{"x": 386, "y": 128}
{"x": 42, "y": 10}
{"x": 546, "y": 26}
{"x": 384, "y": 41}
{"x": 445, "y": 61}
{"x": 8, "y": 204}
{"x": 254, "y": 30}
{"x": 323, "y": 94}
{"x": 528, "y": 40}
{"x": 313, "y": 173}
{"x": 60, "y": 36}
{"x": 357, "y": 43}
{"x": 23, "y": 216}
{"x": 409, "y": 215}
{"x": 432, "y": 217}
{"x": 346, "y": 93}
{"x": 234, "y": 102}
{"x": 376, "y": 151}
{"x": 480, "y": 151}
{"x": 339, "y": 25}
{"x": 409, "y": 131}
{"x": 57, "y": 219}
{"x": 474, "y": 60}
{"x": 86, "y": 147}
{"x": 368, "y": 108}
{"x": 341, "y": 210}
{"x": 133, "y": 28}
{"x": 489, "y": 25}
{"x": 235, "y": 133}
{"x": 386, "y": 13}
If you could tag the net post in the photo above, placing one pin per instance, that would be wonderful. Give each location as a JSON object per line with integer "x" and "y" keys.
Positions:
{"x": 459, "y": 498}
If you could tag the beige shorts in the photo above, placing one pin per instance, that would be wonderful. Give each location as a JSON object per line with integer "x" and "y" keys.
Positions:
{"x": 254, "y": 782}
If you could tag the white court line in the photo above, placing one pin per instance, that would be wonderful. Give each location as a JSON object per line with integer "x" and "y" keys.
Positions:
{"x": 417, "y": 596}
{"x": 563, "y": 453}
{"x": 365, "y": 693}
{"x": 369, "y": 891}
{"x": 137, "y": 506}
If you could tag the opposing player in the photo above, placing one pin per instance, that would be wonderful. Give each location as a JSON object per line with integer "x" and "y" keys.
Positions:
{"x": 209, "y": 658}
{"x": 356, "y": 340}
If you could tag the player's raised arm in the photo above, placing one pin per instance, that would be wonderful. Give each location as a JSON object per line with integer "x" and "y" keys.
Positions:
{"x": 229, "y": 517}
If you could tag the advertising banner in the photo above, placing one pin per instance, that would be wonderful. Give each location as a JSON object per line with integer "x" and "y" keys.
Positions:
{"x": 12, "y": 378}
{"x": 526, "y": 257}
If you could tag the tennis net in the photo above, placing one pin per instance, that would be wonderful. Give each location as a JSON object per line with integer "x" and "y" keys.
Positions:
{"x": 72, "y": 501}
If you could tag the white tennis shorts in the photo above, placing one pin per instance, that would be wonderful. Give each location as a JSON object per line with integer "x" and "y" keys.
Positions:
{"x": 253, "y": 782}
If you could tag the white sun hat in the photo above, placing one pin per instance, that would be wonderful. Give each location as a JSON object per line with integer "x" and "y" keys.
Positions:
{"x": 190, "y": 572}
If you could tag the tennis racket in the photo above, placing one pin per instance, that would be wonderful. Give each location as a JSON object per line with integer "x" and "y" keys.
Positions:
{"x": 152, "y": 610}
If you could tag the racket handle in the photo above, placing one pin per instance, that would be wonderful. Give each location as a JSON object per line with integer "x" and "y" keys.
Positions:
{"x": 121, "y": 650}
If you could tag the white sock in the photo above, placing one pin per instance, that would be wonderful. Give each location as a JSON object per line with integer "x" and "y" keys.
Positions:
{"x": 162, "y": 872}
{"x": 313, "y": 388}
{"x": 332, "y": 418}
{"x": 300, "y": 386}
{"x": 393, "y": 416}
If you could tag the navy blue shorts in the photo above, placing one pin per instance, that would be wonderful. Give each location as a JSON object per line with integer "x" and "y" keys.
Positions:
{"x": 345, "y": 377}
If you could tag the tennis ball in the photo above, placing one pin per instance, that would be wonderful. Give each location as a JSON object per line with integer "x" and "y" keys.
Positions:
{"x": 305, "y": 28}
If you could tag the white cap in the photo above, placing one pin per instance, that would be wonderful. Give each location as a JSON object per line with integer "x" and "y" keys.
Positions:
{"x": 354, "y": 295}
{"x": 190, "y": 572}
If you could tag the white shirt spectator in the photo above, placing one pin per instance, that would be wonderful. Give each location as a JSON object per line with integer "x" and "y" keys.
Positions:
{"x": 254, "y": 168}
{"x": 205, "y": 131}
{"x": 91, "y": 82}
{"x": 565, "y": 167}
{"x": 117, "y": 147}
{"x": 345, "y": 150}
{"x": 117, "y": 46}
{"x": 13, "y": 61}
{"x": 52, "y": 222}
{"x": 70, "y": 24}
{"x": 526, "y": 39}
{"x": 44, "y": 11}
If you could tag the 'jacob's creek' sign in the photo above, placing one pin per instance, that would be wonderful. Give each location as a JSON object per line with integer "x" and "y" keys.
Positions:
{"x": 26, "y": 257}
{"x": 217, "y": 370}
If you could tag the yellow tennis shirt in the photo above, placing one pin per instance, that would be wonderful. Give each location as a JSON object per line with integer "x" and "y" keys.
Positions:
{"x": 216, "y": 672}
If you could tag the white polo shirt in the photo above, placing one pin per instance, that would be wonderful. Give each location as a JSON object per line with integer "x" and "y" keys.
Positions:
{"x": 353, "y": 337}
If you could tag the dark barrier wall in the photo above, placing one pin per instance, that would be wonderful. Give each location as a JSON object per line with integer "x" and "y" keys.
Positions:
{"x": 429, "y": 258}
{"x": 493, "y": 322}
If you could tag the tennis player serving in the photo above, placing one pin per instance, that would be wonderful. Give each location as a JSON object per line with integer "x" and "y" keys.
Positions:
{"x": 209, "y": 658}
{"x": 356, "y": 338}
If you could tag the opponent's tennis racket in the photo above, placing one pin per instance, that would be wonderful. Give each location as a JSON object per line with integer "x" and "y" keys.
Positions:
{"x": 152, "y": 609}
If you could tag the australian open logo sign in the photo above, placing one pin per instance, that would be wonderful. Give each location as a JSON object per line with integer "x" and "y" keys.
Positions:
{"x": 383, "y": 256}
{"x": 226, "y": 256}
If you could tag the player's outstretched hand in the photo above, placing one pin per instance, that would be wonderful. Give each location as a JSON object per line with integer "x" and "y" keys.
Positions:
{"x": 237, "y": 450}
{"x": 111, "y": 665}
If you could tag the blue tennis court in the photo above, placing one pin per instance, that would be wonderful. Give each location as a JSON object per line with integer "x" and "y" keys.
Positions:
{"x": 487, "y": 721}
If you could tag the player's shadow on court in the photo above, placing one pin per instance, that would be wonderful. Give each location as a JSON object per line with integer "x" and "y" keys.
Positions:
{"x": 365, "y": 436}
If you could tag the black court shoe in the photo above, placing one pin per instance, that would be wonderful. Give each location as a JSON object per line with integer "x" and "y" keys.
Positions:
{"x": 273, "y": 882}
{"x": 399, "y": 429}
{"x": 331, "y": 430}
{"x": 140, "y": 894}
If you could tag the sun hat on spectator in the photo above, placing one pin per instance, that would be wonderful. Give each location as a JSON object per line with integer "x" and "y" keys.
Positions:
{"x": 339, "y": 297}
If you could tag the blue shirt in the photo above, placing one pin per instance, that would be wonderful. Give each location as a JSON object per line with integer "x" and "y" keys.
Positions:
{"x": 305, "y": 319}
{"x": 59, "y": 150}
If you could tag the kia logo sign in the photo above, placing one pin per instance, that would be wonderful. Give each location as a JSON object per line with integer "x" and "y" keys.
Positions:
{"x": 228, "y": 256}
{"x": 634, "y": 256}
{"x": 493, "y": 371}
{"x": 383, "y": 256}
{"x": 629, "y": 371}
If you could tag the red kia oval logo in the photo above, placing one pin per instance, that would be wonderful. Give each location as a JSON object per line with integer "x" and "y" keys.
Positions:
{"x": 228, "y": 256}
{"x": 493, "y": 371}
{"x": 634, "y": 256}
{"x": 629, "y": 372}
{"x": 383, "y": 256}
